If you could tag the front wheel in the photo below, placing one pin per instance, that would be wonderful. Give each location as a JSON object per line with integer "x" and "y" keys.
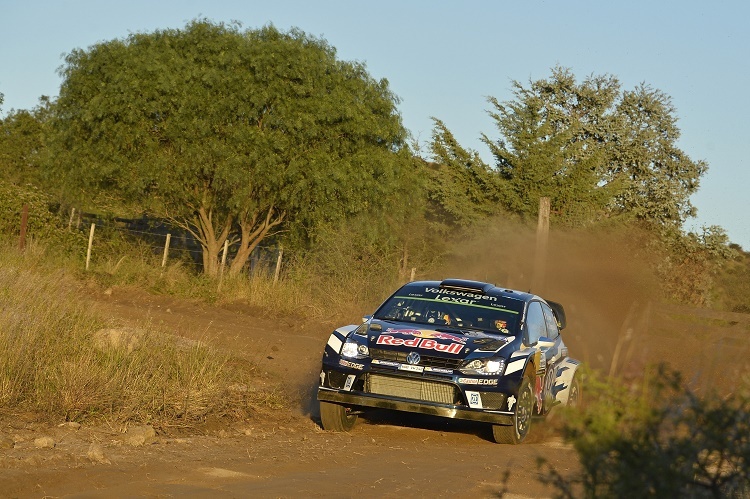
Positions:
{"x": 516, "y": 433}
{"x": 336, "y": 417}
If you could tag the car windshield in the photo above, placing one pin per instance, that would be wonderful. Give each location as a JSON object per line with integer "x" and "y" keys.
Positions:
{"x": 452, "y": 308}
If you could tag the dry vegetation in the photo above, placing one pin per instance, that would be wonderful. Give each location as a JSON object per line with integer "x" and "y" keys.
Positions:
{"x": 62, "y": 362}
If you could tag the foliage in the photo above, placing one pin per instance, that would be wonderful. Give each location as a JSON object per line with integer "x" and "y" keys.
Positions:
{"x": 657, "y": 177}
{"x": 597, "y": 152}
{"x": 687, "y": 264}
{"x": 658, "y": 439}
{"x": 22, "y": 144}
{"x": 605, "y": 157}
{"x": 733, "y": 283}
{"x": 554, "y": 140}
{"x": 354, "y": 266}
{"x": 43, "y": 220}
{"x": 234, "y": 134}
{"x": 461, "y": 189}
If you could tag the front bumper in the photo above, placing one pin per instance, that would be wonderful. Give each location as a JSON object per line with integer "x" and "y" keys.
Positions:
{"x": 360, "y": 399}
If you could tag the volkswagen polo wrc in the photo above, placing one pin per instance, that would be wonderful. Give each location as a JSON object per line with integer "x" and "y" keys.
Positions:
{"x": 453, "y": 348}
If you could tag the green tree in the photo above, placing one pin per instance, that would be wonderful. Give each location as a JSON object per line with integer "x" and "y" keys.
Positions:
{"x": 655, "y": 178}
{"x": 553, "y": 142}
{"x": 22, "y": 143}
{"x": 233, "y": 134}
{"x": 462, "y": 188}
{"x": 596, "y": 151}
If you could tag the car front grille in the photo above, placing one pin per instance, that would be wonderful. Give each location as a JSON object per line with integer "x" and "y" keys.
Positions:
{"x": 412, "y": 388}
{"x": 425, "y": 360}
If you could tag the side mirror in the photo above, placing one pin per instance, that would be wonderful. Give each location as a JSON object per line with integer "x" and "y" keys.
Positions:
{"x": 559, "y": 313}
{"x": 366, "y": 318}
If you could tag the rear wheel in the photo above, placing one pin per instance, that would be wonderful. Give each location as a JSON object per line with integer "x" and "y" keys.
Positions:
{"x": 516, "y": 433}
{"x": 574, "y": 395}
{"x": 336, "y": 417}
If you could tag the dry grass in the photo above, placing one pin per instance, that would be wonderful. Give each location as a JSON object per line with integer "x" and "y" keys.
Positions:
{"x": 59, "y": 360}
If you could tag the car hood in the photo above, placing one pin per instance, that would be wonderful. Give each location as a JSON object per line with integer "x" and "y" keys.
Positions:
{"x": 434, "y": 341}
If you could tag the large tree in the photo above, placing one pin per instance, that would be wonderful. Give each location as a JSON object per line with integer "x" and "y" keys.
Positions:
{"x": 554, "y": 138}
{"x": 231, "y": 133}
{"x": 596, "y": 151}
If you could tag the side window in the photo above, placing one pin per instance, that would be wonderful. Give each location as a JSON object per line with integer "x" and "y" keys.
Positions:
{"x": 549, "y": 317}
{"x": 535, "y": 323}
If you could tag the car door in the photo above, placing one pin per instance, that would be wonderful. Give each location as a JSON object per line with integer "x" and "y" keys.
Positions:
{"x": 543, "y": 331}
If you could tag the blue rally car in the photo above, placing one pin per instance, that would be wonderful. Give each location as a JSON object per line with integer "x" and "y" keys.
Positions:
{"x": 458, "y": 349}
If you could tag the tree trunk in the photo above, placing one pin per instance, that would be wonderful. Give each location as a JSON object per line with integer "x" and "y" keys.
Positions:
{"x": 253, "y": 232}
{"x": 211, "y": 243}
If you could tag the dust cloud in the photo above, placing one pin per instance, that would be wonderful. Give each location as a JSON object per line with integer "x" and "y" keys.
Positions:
{"x": 604, "y": 288}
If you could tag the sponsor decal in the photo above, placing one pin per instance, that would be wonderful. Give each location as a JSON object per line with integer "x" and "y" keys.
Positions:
{"x": 475, "y": 381}
{"x": 441, "y": 370}
{"x": 409, "y": 367}
{"x": 385, "y": 363}
{"x": 459, "y": 296}
{"x": 475, "y": 400}
{"x": 349, "y": 382}
{"x": 437, "y": 335}
{"x": 547, "y": 390}
{"x": 351, "y": 365}
{"x": 511, "y": 402}
{"x": 423, "y": 343}
{"x": 538, "y": 394}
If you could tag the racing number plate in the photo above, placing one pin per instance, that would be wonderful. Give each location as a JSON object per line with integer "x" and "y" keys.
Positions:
{"x": 409, "y": 367}
{"x": 475, "y": 400}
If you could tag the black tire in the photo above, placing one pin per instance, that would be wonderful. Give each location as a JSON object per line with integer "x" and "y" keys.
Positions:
{"x": 522, "y": 412}
{"x": 336, "y": 417}
{"x": 575, "y": 395}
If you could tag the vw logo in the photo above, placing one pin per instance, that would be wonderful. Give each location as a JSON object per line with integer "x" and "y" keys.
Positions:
{"x": 413, "y": 358}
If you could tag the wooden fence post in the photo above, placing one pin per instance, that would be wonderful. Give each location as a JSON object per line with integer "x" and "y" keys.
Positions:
{"x": 91, "y": 242}
{"x": 542, "y": 236}
{"x": 166, "y": 250}
{"x": 24, "y": 223}
{"x": 223, "y": 264}
{"x": 72, "y": 216}
{"x": 278, "y": 265}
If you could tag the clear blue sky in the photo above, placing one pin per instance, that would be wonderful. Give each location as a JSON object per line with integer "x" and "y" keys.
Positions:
{"x": 443, "y": 58}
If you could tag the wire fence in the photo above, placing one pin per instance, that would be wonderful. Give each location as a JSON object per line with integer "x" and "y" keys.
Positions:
{"x": 160, "y": 238}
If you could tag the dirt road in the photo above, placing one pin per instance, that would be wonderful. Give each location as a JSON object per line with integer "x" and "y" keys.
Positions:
{"x": 276, "y": 454}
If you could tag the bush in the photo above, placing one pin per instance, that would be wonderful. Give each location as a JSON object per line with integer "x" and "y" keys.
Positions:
{"x": 658, "y": 439}
{"x": 44, "y": 224}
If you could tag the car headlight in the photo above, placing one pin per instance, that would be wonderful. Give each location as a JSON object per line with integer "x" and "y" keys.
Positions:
{"x": 486, "y": 367}
{"x": 354, "y": 350}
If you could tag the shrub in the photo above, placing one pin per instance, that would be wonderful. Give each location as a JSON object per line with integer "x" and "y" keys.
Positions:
{"x": 658, "y": 439}
{"x": 44, "y": 224}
